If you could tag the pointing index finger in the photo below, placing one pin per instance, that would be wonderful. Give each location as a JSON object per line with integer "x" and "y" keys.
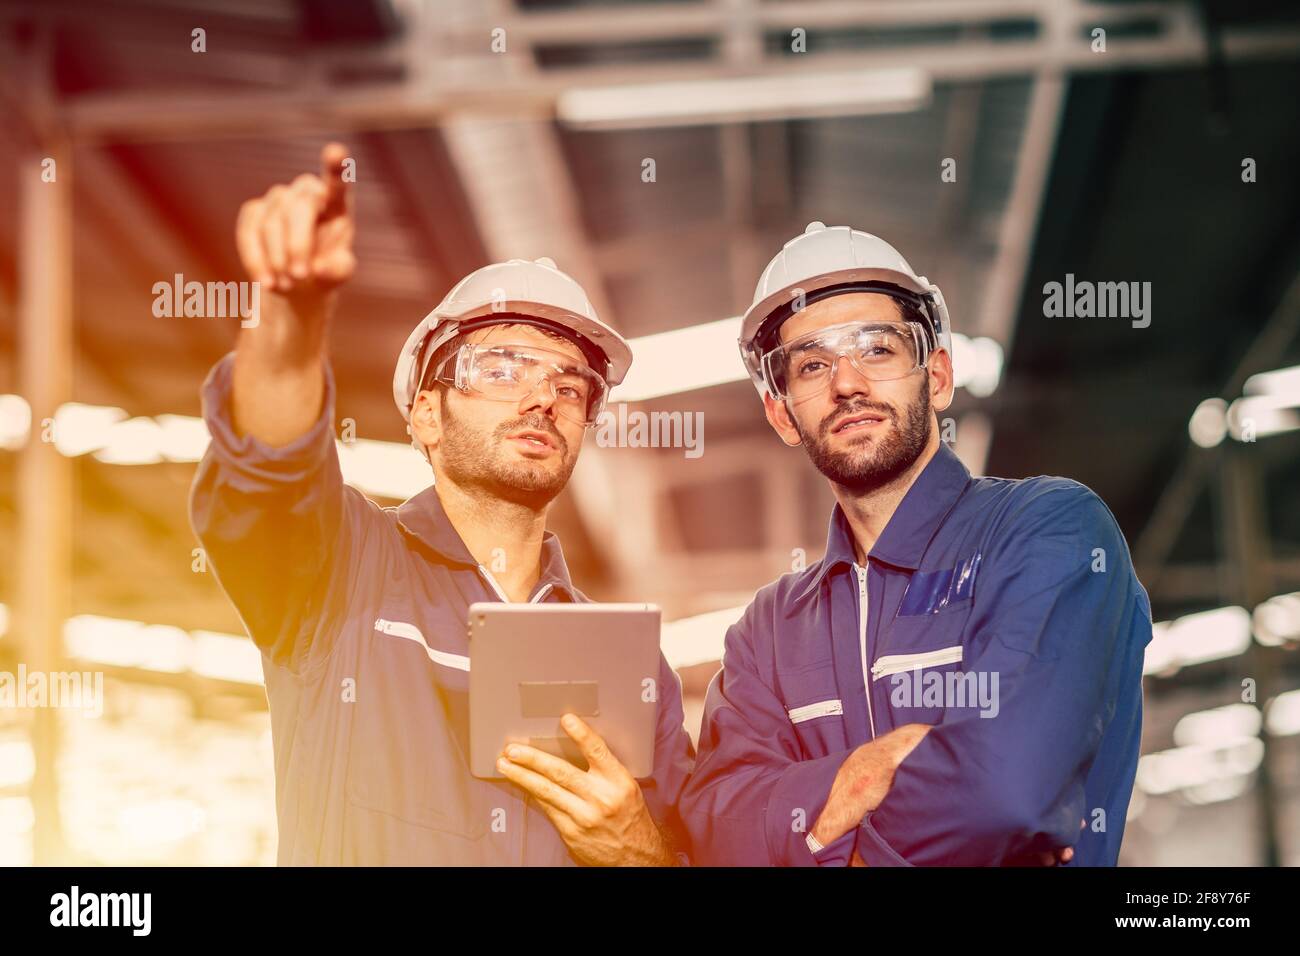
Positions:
{"x": 332, "y": 160}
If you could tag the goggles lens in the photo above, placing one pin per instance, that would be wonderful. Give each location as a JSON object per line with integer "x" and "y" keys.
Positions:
{"x": 805, "y": 367}
{"x": 509, "y": 373}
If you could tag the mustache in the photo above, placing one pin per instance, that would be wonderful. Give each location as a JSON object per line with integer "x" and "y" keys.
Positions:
{"x": 831, "y": 420}
{"x": 537, "y": 422}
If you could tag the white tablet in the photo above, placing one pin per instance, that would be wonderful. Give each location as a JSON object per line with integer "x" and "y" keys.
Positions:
{"x": 530, "y": 664}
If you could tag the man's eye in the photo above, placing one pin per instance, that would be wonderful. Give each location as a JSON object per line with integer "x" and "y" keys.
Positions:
{"x": 570, "y": 391}
{"x": 811, "y": 367}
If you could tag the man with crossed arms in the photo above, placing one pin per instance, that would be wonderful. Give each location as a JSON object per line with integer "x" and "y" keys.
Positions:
{"x": 842, "y": 726}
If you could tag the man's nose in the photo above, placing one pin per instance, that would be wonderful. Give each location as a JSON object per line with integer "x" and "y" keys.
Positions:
{"x": 540, "y": 397}
{"x": 846, "y": 380}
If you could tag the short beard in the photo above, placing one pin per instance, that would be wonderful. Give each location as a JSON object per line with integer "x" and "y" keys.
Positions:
{"x": 472, "y": 460}
{"x": 863, "y": 470}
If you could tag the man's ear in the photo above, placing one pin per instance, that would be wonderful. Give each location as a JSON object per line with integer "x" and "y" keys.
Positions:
{"x": 939, "y": 369}
{"x": 778, "y": 416}
{"x": 426, "y": 418}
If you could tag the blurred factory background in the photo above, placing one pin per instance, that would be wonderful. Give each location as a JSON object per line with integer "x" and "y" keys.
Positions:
{"x": 1000, "y": 144}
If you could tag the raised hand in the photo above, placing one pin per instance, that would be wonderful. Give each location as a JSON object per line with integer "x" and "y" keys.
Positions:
{"x": 296, "y": 243}
{"x": 297, "y": 239}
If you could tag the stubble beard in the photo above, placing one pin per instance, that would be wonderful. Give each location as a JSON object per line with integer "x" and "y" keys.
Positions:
{"x": 869, "y": 466}
{"x": 475, "y": 461}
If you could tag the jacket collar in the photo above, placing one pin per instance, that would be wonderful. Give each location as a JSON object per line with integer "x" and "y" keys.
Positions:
{"x": 422, "y": 517}
{"x": 911, "y": 527}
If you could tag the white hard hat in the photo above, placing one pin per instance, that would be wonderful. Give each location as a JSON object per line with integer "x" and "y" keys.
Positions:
{"x": 518, "y": 287}
{"x": 824, "y": 257}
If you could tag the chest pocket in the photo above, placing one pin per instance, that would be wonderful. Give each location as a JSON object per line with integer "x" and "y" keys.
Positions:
{"x": 816, "y": 711}
{"x": 923, "y": 668}
{"x": 407, "y": 757}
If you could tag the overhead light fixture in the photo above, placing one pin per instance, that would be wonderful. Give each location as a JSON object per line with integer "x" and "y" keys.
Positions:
{"x": 745, "y": 99}
{"x": 697, "y": 356}
{"x": 182, "y": 437}
{"x": 81, "y": 429}
{"x": 162, "y": 648}
{"x": 1208, "y": 425}
{"x": 1283, "y": 383}
{"x": 1196, "y": 639}
{"x": 1185, "y": 768}
{"x": 1282, "y": 714}
{"x": 136, "y": 441}
{"x": 1259, "y": 416}
{"x": 119, "y": 642}
{"x": 1219, "y": 726}
{"x": 1277, "y": 621}
{"x": 1269, "y": 405}
{"x": 976, "y": 364}
{"x": 15, "y": 421}
{"x": 386, "y": 468}
{"x": 230, "y": 657}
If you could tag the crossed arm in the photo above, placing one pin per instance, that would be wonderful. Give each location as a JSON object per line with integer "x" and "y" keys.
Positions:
{"x": 864, "y": 780}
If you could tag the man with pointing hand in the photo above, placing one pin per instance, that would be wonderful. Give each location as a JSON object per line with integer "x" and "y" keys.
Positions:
{"x": 360, "y": 611}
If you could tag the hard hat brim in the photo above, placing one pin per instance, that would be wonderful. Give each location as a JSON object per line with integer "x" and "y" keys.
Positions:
{"x": 759, "y": 311}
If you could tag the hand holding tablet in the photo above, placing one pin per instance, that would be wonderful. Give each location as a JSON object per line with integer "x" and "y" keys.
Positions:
{"x": 530, "y": 664}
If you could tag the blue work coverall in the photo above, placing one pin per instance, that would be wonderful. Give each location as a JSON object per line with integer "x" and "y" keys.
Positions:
{"x": 1005, "y": 614}
{"x": 361, "y": 615}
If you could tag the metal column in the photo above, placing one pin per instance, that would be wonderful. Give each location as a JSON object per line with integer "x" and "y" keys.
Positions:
{"x": 44, "y": 571}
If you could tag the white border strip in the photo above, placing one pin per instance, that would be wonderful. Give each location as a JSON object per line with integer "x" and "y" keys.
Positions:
{"x": 897, "y": 663}
{"x": 412, "y": 633}
{"x": 823, "y": 708}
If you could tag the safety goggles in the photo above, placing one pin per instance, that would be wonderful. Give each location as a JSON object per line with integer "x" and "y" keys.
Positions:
{"x": 509, "y": 373}
{"x": 804, "y": 367}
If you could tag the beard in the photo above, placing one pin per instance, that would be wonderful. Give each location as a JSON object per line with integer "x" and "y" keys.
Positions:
{"x": 871, "y": 465}
{"x": 474, "y": 460}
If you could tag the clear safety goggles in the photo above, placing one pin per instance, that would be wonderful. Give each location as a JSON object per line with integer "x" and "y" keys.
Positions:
{"x": 509, "y": 373}
{"x": 804, "y": 367}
